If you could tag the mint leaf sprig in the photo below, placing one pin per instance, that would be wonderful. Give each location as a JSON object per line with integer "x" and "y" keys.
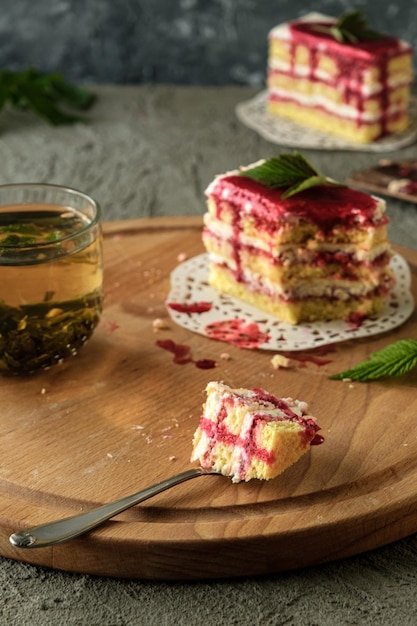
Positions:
{"x": 350, "y": 28}
{"x": 49, "y": 95}
{"x": 290, "y": 171}
{"x": 394, "y": 360}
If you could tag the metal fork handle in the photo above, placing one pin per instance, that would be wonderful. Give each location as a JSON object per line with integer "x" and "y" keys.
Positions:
{"x": 70, "y": 527}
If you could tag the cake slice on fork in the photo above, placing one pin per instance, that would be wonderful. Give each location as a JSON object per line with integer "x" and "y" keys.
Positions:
{"x": 250, "y": 433}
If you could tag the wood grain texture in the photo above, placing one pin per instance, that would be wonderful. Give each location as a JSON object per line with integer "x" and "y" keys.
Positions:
{"x": 121, "y": 415}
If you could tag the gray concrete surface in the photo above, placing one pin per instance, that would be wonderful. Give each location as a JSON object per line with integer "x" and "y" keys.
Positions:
{"x": 149, "y": 151}
{"x": 200, "y": 42}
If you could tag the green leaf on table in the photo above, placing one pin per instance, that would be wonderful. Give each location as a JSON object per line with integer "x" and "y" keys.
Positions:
{"x": 395, "y": 359}
{"x": 288, "y": 171}
{"x": 49, "y": 95}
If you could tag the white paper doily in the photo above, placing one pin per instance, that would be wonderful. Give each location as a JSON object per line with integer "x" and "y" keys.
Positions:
{"x": 194, "y": 305}
{"x": 284, "y": 132}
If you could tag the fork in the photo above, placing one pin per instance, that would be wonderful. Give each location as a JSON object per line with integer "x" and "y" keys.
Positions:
{"x": 62, "y": 530}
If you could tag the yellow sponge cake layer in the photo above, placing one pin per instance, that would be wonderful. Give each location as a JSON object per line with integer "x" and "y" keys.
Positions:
{"x": 294, "y": 311}
{"x": 327, "y": 122}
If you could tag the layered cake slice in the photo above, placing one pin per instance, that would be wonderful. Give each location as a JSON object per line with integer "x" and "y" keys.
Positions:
{"x": 339, "y": 76}
{"x": 318, "y": 251}
{"x": 249, "y": 433}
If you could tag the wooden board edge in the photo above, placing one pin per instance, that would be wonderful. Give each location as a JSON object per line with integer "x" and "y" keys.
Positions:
{"x": 152, "y": 224}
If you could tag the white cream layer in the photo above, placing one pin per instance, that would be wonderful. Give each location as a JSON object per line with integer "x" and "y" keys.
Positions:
{"x": 290, "y": 253}
{"x": 333, "y": 108}
{"x": 366, "y": 87}
{"x": 317, "y": 288}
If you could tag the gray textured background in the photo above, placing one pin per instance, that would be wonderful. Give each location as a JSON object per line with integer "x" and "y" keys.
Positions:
{"x": 125, "y": 159}
{"x": 197, "y": 42}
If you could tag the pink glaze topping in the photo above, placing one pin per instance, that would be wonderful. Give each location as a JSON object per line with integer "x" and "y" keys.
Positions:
{"x": 327, "y": 206}
{"x": 305, "y": 33}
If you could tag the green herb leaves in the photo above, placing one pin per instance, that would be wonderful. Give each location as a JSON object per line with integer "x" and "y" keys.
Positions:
{"x": 393, "y": 360}
{"x": 23, "y": 235}
{"x": 290, "y": 171}
{"x": 31, "y": 338}
{"x": 350, "y": 28}
{"x": 48, "y": 95}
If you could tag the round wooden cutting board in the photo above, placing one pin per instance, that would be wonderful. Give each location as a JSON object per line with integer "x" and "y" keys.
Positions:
{"x": 121, "y": 415}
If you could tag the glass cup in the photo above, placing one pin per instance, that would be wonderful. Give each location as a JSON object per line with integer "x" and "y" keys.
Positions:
{"x": 51, "y": 274}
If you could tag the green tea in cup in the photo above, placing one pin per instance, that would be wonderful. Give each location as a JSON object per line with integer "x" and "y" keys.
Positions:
{"x": 51, "y": 274}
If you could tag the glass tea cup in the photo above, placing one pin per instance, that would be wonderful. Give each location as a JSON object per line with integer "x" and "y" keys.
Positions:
{"x": 51, "y": 274}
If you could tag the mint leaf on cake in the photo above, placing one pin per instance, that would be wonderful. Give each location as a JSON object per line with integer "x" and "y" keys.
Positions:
{"x": 394, "y": 360}
{"x": 352, "y": 27}
{"x": 292, "y": 172}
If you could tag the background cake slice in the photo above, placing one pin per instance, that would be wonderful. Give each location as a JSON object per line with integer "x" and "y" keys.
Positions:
{"x": 249, "y": 433}
{"x": 351, "y": 81}
{"x": 320, "y": 254}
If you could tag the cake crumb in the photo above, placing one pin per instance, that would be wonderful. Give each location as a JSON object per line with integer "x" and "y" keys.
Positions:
{"x": 279, "y": 360}
{"x": 225, "y": 356}
{"x": 181, "y": 257}
{"x": 172, "y": 458}
{"x": 159, "y": 324}
{"x": 43, "y": 391}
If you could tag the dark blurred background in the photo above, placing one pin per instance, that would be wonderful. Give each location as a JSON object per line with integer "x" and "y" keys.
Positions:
{"x": 188, "y": 42}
